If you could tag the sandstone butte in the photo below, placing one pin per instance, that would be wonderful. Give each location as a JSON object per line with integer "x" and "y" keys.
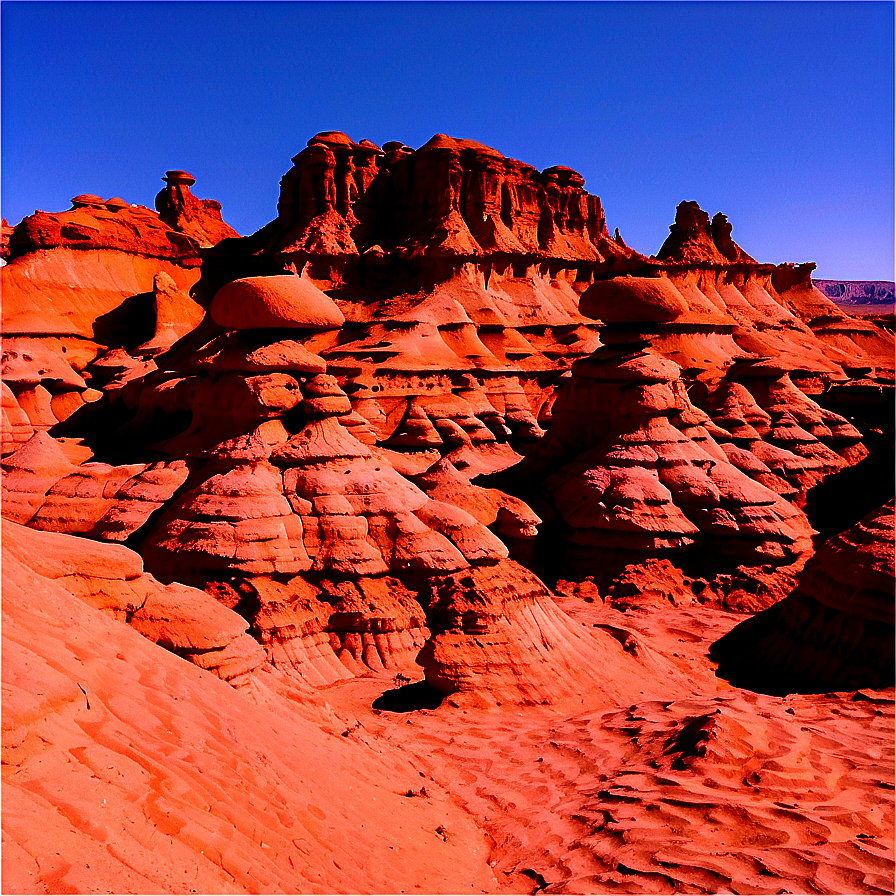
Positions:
{"x": 431, "y": 539}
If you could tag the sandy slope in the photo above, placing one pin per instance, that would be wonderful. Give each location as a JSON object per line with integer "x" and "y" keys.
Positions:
{"x": 720, "y": 791}
{"x": 128, "y": 770}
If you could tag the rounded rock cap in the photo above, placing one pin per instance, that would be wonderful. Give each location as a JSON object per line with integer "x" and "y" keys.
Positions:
{"x": 633, "y": 300}
{"x": 179, "y": 177}
{"x": 88, "y": 200}
{"x": 284, "y": 300}
{"x": 116, "y": 203}
{"x": 331, "y": 138}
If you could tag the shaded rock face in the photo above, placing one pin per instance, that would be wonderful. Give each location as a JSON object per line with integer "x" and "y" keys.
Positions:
{"x": 834, "y": 632}
{"x": 92, "y": 294}
{"x": 294, "y": 426}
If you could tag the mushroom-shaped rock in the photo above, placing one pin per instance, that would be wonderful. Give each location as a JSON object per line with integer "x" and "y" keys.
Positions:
{"x": 280, "y": 301}
{"x": 633, "y": 300}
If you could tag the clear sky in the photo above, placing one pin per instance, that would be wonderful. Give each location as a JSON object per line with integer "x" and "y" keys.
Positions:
{"x": 780, "y": 115}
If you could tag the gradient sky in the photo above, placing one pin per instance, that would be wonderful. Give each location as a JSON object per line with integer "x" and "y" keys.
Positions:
{"x": 780, "y": 115}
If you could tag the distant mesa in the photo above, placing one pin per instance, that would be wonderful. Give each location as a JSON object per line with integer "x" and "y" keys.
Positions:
{"x": 859, "y": 292}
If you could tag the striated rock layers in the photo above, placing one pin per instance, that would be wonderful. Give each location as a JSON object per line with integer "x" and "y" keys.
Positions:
{"x": 251, "y": 482}
{"x": 685, "y": 435}
{"x": 291, "y": 420}
{"x": 94, "y": 292}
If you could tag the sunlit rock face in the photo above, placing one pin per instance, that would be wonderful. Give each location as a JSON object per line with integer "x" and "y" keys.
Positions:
{"x": 293, "y": 420}
{"x": 92, "y": 294}
{"x": 433, "y": 440}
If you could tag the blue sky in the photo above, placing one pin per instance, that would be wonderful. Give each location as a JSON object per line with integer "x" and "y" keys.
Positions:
{"x": 780, "y": 115}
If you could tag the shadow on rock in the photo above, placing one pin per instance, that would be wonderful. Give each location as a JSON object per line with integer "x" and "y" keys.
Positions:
{"x": 409, "y": 697}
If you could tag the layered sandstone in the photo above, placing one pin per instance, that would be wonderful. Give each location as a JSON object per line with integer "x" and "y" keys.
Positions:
{"x": 92, "y": 294}
{"x": 281, "y": 435}
{"x": 314, "y": 409}
{"x": 111, "y": 578}
{"x": 629, "y": 470}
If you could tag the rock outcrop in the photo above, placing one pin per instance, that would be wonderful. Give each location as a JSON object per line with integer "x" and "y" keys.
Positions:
{"x": 295, "y": 426}
{"x": 103, "y": 286}
{"x": 630, "y": 471}
{"x": 835, "y": 632}
{"x": 498, "y": 638}
{"x": 199, "y": 219}
{"x": 111, "y": 578}
{"x": 357, "y": 443}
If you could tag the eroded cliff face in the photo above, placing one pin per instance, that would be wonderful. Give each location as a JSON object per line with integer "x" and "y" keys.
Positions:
{"x": 433, "y": 422}
{"x": 95, "y": 292}
{"x": 293, "y": 420}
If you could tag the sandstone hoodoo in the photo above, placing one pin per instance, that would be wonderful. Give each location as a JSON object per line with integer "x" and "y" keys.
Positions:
{"x": 434, "y": 439}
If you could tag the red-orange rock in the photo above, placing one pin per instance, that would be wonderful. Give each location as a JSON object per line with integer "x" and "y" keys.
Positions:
{"x": 199, "y": 219}
{"x": 296, "y": 421}
{"x": 834, "y": 632}
{"x": 264, "y": 302}
{"x": 498, "y": 638}
{"x": 111, "y": 578}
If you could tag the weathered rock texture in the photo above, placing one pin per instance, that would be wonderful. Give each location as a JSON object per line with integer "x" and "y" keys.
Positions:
{"x": 262, "y": 454}
{"x": 128, "y": 770}
{"x": 303, "y": 426}
{"x": 96, "y": 292}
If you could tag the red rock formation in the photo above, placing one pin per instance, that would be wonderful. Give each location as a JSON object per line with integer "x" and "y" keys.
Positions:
{"x": 90, "y": 224}
{"x": 5, "y": 234}
{"x": 295, "y": 427}
{"x": 104, "y": 274}
{"x": 110, "y": 578}
{"x": 858, "y": 345}
{"x": 693, "y": 240}
{"x": 508, "y": 248}
{"x": 199, "y": 219}
{"x": 498, "y": 638}
{"x": 625, "y": 481}
{"x": 130, "y": 770}
{"x": 835, "y": 632}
